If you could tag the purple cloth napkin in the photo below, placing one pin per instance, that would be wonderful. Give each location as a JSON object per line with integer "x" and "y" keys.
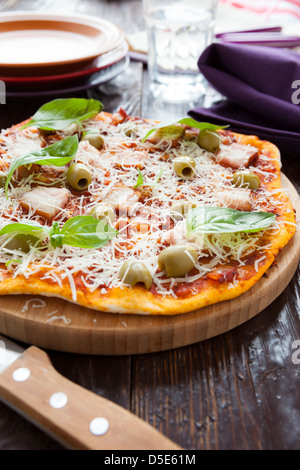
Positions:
{"x": 257, "y": 82}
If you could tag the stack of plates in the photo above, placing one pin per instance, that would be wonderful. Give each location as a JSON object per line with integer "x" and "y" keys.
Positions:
{"x": 42, "y": 54}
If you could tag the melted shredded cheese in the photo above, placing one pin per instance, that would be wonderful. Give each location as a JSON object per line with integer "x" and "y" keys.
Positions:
{"x": 142, "y": 228}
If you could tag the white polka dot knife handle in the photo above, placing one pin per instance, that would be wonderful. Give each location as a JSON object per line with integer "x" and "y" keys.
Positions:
{"x": 73, "y": 415}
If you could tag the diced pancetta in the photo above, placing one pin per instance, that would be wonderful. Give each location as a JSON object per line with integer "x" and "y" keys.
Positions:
{"x": 175, "y": 235}
{"x": 238, "y": 199}
{"x": 87, "y": 154}
{"x": 46, "y": 202}
{"x": 178, "y": 235}
{"x": 123, "y": 198}
{"x": 236, "y": 155}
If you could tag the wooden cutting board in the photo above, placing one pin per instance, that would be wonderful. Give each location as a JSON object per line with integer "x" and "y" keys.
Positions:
{"x": 60, "y": 325}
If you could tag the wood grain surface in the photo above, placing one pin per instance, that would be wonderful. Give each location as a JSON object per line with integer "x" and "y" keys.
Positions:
{"x": 239, "y": 390}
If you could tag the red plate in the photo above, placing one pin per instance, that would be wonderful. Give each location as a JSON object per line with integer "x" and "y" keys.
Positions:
{"x": 102, "y": 62}
{"x": 87, "y": 83}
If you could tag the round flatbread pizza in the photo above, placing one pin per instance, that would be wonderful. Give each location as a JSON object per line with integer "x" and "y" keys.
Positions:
{"x": 127, "y": 215}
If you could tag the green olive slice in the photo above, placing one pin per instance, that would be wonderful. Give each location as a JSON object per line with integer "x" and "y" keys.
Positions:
{"x": 95, "y": 139}
{"x": 130, "y": 129}
{"x": 209, "y": 140}
{"x": 180, "y": 208}
{"x": 177, "y": 260}
{"x": 79, "y": 176}
{"x": 133, "y": 272}
{"x": 184, "y": 166}
{"x": 246, "y": 179}
{"x": 22, "y": 242}
{"x": 174, "y": 131}
{"x": 103, "y": 212}
{"x": 3, "y": 178}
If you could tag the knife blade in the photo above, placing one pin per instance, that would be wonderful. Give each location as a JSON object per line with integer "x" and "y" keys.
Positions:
{"x": 74, "y": 416}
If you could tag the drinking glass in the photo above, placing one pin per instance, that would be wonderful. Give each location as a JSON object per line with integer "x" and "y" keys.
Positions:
{"x": 178, "y": 32}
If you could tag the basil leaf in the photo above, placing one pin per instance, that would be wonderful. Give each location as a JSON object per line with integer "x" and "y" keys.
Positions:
{"x": 56, "y": 237}
{"x": 139, "y": 181}
{"x": 169, "y": 126}
{"x": 60, "y": 113}
{"x": 82, "y": 232}
{"x": 159, "y": 175}
{"x": 14, "y": 261}
{"x": 59, "y": 154}
{"x": 208, "y": 219}
{"x": 22, "y": 228}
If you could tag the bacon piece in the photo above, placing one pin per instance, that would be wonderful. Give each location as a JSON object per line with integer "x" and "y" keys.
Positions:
{"x": 236, "y": 155}
{"x": 123, "y": 198}
{"x": 178, "y": 235}
{"x": 175, "y": 235}
{"x": 47, "y": 202}
{"x": 238, "y": 199}
{"x": 87, "y": 154}
{"x": 136, "y": 159}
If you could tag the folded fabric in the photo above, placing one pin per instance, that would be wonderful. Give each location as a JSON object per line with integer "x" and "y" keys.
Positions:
{"x": 262, "y": 87}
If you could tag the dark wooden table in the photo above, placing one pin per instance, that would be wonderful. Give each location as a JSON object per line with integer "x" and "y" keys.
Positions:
{"x": 236, "y": 391}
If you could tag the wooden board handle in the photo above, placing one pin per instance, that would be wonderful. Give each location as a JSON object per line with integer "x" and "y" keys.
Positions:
{"x": 75, "y": 416}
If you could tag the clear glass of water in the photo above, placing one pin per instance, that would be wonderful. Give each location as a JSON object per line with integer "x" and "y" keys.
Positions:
{"x": 178, "y": 32}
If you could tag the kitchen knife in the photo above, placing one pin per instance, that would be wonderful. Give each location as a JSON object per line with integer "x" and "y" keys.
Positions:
{"x": 71, "y": 414}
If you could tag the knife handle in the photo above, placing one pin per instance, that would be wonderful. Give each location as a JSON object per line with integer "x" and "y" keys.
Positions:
{"x": 77, "y": 417}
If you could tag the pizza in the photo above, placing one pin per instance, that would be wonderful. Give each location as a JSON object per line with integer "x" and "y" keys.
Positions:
{"x": 127, "y": 215}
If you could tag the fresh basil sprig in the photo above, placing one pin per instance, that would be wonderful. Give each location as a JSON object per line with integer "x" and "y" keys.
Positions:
{"x": 169, "y": 126}
{"x": 158, "y": 176}
{"x": 18, "y": 228}
{"x": 81, "y": 231}
{"x": 59, "y": 154}
{"x": 60, "y": 113}
{"x": 209, "y": 219}
{"x": 139, "y": 181}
